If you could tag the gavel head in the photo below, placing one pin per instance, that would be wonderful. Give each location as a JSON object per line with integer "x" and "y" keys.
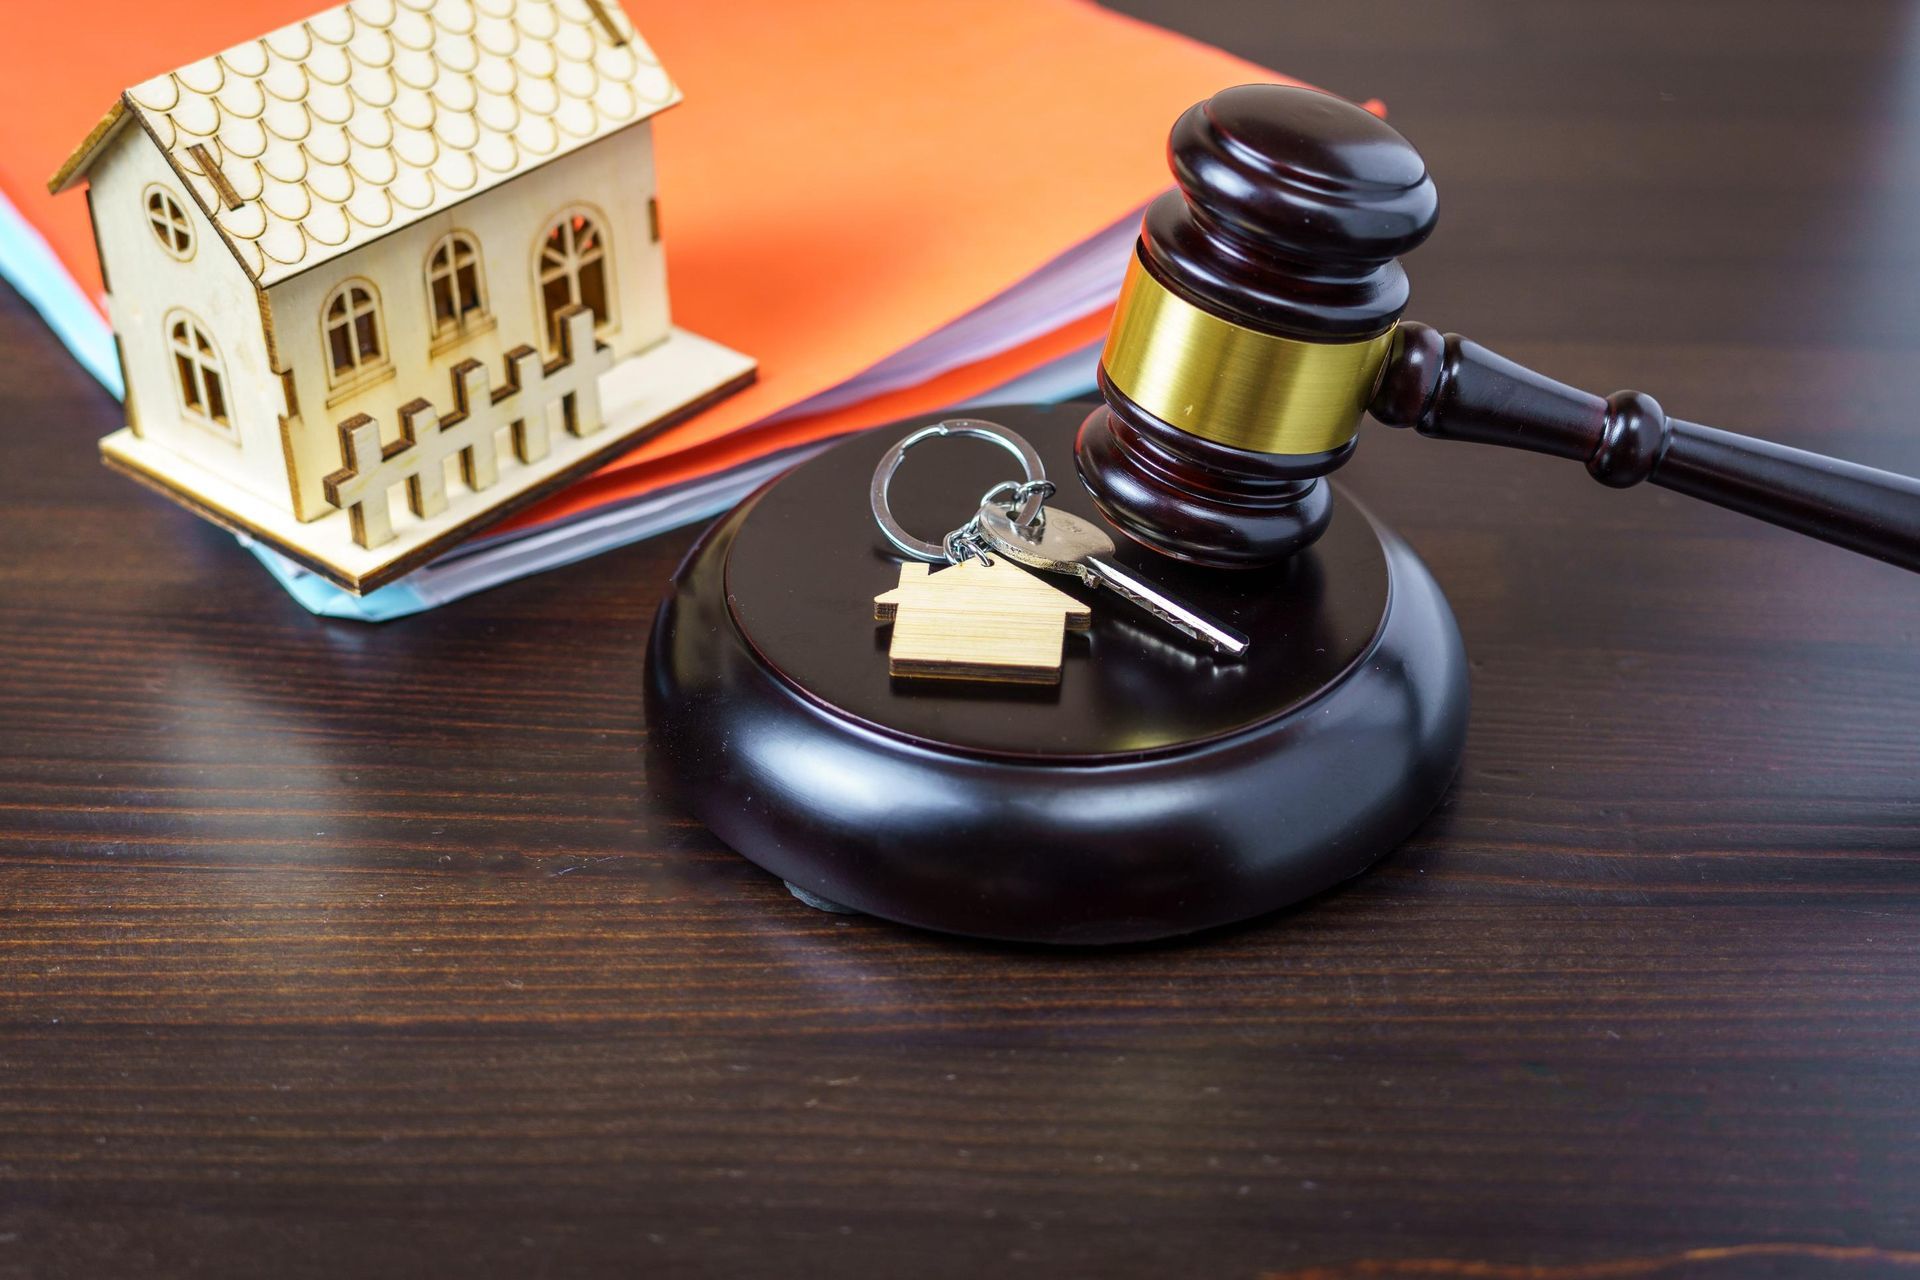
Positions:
{"x": 1256, "y": 315}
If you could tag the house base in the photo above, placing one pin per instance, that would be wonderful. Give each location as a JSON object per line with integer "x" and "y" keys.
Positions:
{"x": 640, "y": 396}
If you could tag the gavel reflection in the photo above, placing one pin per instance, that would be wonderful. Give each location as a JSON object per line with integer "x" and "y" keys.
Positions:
{"x": 1261, "y": 317}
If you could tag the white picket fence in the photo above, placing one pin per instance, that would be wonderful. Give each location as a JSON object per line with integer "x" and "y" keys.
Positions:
{"x": 428, "y": 438}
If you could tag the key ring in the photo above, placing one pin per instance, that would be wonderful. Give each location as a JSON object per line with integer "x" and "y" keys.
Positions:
{"x": 1031, "y": 492}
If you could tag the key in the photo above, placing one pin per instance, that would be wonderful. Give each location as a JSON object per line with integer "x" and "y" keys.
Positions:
{"x": 1062, "y": 543}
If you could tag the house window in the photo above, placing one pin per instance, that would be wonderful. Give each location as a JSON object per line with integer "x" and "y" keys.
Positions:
{"x": 197, "y": 372}
{"x": 455, "y": 285}
{"x": 169, "y": 223}
{"x": 574, "y": 270}
{"x": 355, "y": 344}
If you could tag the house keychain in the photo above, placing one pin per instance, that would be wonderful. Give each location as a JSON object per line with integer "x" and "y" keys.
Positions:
{"x": 981, "y": 620}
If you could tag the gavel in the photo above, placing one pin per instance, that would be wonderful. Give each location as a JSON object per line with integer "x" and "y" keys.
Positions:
{"x": 1260, "y": 319}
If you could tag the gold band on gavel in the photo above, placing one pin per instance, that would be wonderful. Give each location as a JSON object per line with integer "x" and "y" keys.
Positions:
{"x": 1233, "y": 385}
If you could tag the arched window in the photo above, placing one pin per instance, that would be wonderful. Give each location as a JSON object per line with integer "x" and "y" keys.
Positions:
{"x": 169, "y": 223}
{"x": 196, "y": 367}
{"x": 456, "y": 286}
{"x": 574, "y": 268}
{"x": 355, "y": 343}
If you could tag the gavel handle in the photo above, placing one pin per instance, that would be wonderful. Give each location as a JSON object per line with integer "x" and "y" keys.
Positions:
{"x": 1452, "y": 389}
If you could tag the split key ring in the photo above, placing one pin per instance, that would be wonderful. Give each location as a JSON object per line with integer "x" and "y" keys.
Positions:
{"x": 1031, "y": 492}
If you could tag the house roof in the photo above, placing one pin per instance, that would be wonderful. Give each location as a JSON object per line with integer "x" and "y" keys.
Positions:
{"x": 365, "y": 118}
{"x": 980, "y": 592}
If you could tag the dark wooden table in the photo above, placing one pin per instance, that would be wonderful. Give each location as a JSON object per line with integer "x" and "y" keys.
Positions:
{"x": 328, "y": 950}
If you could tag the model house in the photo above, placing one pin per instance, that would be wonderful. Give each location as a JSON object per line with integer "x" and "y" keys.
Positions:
{"x": 977, "y": 620}
{"x": 380, "y": 276}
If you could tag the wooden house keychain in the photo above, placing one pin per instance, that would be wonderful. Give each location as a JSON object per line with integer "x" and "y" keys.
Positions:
{"x": 980, "y": 619}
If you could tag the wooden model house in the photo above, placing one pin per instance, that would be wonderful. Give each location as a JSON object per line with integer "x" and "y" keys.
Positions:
{"x": 383, "y": 275}
{"x": 978, "y": 621}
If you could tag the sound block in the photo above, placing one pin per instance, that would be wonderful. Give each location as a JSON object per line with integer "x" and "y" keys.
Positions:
{"x": 1156, "y": 790}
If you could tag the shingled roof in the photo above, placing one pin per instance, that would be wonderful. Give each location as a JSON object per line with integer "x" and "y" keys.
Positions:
{"x": 370, "y": 116}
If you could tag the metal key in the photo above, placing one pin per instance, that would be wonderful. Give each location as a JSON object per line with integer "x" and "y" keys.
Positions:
{"x": 1058, "y": 542}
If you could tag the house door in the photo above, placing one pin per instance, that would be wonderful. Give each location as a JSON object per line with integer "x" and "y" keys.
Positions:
{"x": 574, "y": 269}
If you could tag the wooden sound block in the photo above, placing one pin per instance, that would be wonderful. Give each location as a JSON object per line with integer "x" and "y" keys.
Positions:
{"x": 1153, "y": 791}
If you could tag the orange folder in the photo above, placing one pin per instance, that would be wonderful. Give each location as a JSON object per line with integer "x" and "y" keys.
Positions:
{"x": 843, "y": 178}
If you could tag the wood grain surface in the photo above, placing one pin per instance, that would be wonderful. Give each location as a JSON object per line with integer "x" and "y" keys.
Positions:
{"x": 989, "y": 622}
{"x": 329, "y": 950}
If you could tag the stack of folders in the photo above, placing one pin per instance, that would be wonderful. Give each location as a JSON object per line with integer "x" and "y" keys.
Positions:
{"x": 896, "y": 209}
